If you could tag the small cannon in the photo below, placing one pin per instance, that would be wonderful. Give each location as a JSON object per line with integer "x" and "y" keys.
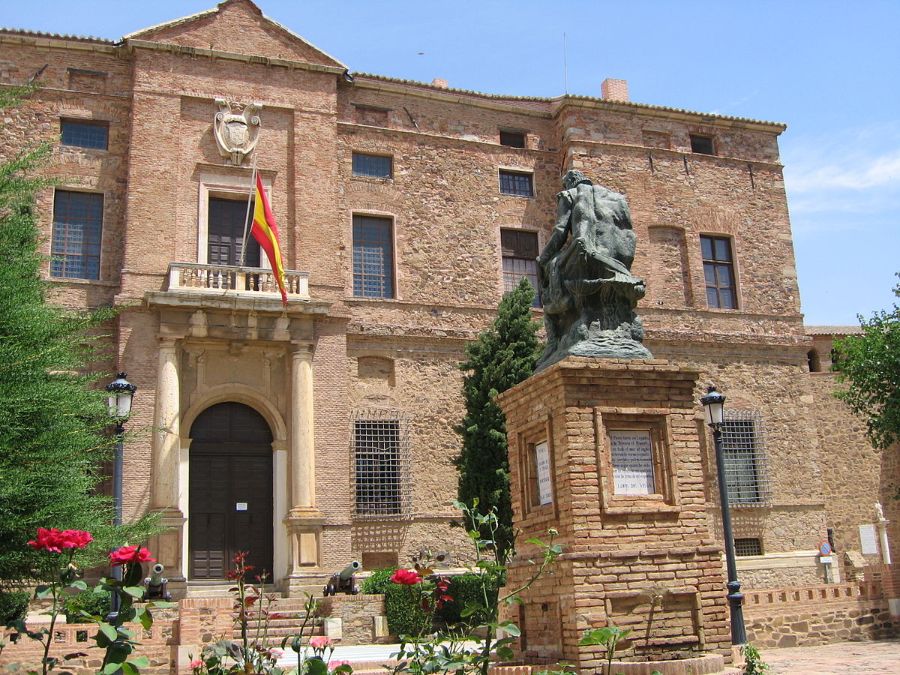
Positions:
{"x": 342, "y": 582}
{"x": 157, "y": 584}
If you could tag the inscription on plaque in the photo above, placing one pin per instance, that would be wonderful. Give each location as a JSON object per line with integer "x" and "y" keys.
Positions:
{"x": 632, "y": 460}
{"x": 545, "y": 483}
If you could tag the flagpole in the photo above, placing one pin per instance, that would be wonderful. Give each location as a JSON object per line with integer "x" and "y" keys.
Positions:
{"x": 247, "y": 215}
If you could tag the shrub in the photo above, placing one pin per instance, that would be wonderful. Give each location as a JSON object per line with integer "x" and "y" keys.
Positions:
{"x": 96, "y": 604}
{"x": 466, "y": 590}
{"x": 377, "y": 583}
{"x": 13, "y": 605}
{"x": 405, "y": 615}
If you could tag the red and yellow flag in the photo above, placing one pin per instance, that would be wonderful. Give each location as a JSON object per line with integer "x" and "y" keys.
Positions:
{"x": 265, "y": 231}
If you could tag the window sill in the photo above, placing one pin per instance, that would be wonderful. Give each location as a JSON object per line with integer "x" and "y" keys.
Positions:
{"x": 387, "y": 180}
{"x": 507, "y": 194}
{"x": 81, "y": 282}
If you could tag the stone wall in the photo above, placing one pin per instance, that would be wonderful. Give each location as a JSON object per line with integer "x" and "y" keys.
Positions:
{"x": 815, "y": 615}
{"x": 357, "y": 614}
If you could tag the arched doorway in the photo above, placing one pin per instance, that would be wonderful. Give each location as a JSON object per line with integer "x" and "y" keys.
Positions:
{"x": 230, "y": 498}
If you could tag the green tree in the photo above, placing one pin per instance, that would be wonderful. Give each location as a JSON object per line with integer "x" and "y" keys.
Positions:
{"x": 54, "y": 427}
{"x": 869, "y": 366}
{"x": 502, "y": 356}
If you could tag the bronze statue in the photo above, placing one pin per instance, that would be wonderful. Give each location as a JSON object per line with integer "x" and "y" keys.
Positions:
{"x": 587, "y": 288}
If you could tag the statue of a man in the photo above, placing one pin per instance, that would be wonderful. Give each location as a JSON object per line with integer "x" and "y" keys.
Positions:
{"x": 587, "y": 288}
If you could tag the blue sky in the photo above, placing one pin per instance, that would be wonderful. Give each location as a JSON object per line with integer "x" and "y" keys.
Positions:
{"x": 827, "y": 69}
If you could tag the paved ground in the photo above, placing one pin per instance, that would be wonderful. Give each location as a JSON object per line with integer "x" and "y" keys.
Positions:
{"x": 844, "y": 658}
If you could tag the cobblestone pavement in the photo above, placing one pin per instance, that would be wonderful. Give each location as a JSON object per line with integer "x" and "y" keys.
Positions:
{"x": 843, "y": 658}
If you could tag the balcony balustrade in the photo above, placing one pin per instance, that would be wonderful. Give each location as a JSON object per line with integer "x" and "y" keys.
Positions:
{"x": 224, "y": 279}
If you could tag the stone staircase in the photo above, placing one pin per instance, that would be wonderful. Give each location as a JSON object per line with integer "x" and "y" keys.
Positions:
{"x": 290, "y": 613}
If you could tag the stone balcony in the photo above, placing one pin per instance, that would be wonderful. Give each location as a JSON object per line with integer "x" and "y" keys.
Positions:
{"x": 224, "y": 280}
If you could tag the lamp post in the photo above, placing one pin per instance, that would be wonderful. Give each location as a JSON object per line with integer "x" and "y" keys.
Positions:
{"x": 714, "y": 408}
{"x": 120, "y": 394}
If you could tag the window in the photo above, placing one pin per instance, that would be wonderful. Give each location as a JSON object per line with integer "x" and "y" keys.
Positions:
{"x": 373, "y": 257}
{"x": 702, "y": 145}
{"x": 512, "y": 139}
{"x": 516, "y": 183}
{"x": 381, "y": 465}
{"x": 85, "y": 134}
{"x": 519, "y": 250}
{"x": 373, "y": 166}
{"x": 225, "y": 237}
{"x": 744, "y": 459}
{"x": 77, "y": 226}
{"x": 718, "y": 269}
{"x": 747, "y": 546}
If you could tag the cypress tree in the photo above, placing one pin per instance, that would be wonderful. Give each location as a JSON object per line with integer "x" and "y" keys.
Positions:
{"x": 502, "y": 356}
{"x": 54, "y": 426}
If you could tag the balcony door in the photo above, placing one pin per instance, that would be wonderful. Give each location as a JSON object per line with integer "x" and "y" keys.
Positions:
{"x": 226, "y": 233}
{"x": 230, "y": 501}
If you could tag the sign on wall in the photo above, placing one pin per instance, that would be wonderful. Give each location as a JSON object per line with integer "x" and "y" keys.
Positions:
{"x": 545, "y": 481}
{"x": 632, "y": 462}
{"x": 867, "y": 540}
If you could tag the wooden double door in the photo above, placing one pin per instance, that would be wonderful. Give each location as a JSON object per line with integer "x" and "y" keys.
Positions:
{"x": 230, "y": 503}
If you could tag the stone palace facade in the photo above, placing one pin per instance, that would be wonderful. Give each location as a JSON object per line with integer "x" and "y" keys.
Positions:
{"x": 323, "y": 432}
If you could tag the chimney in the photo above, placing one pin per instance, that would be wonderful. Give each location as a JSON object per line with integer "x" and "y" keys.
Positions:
{"x": 440, "y": 83}
{"x": 614, "y": 90}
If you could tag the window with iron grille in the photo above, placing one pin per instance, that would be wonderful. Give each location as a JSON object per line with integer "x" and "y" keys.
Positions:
{"x": 718, "y": 270}
{"x": 702, "y": 145}
{"x": 743, "y": 455}
{"x": 373, "y": 257}
{"x": 85, "y": 134}
{"x": 372, "y": 166}
{"x": 77, "y": 226}
{"x": 519, "y": 250}
{"x": 380, "y": 465}
{"x": 516, "y": 183}
{"x": 512, "y": 139}
{"x": 747, "y": 546}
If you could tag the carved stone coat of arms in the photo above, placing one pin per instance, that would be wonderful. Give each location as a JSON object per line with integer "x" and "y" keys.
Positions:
{"x": 236, "y": 129}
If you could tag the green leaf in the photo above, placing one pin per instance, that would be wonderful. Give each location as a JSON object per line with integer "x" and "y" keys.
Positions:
{"x": 110, "y": 668}
{"x": 108, "y": 631}
{"x": 43, "y": 591}
{"x": 135, "y": 591}
{"x": 316, "y": 666}
{"x": 505, "y": 653}
{"x": 79, "y": 584}
{"x": 140, "y": 662}
{"x": 511, "y": 629}
{"x": 129, "y": 668}
{"x": 145, "y": 618}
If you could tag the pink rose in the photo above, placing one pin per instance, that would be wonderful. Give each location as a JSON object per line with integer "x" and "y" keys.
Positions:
{"x": 130, "y": 554}
{"x": 196, "y": 663}
{"x": 320, "y": 642}
{"x": 54, "y": 541}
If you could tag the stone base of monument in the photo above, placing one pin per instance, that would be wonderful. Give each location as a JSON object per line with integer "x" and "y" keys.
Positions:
{"x": 609, "y": 453}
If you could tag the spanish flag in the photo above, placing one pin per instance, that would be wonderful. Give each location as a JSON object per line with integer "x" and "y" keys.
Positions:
{"x": 265, "y": 231}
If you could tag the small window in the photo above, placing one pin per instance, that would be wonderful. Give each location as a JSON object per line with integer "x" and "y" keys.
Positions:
{"x": 381, "y": 466}
{"x": 718, "y": 270}
{"x": 812, "y": 359}
{"x": 85, "y": 134}
{"x": 516, "y": 183}
{"x": 744, "y": 458}
{"x": 512, "y": 139}
{"x": 77, "y": 227}
{"x": 373, "y": 257}
{"x": 519, "y": 250}
{"x": 702, "y": 145}
{"x": 747, "y": 546}
{"x": 372, "y": 166}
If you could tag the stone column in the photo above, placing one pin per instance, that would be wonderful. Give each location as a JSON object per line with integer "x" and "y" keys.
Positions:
{"x": 166, "y": 465}
{"x": 303, "y": 448}
{"x": 166, "y": 423}
{"x": 304, "y": 520}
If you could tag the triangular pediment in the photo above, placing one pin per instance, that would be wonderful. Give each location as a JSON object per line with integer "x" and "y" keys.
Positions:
{"x": 237, "y": 26}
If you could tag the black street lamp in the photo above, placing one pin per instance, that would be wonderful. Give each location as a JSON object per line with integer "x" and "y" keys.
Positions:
{"x": 714, "y": 408}
{"x": 121, "y": 393}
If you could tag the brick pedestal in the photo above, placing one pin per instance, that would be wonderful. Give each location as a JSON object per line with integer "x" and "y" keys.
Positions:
{"x": 637, "y": 551}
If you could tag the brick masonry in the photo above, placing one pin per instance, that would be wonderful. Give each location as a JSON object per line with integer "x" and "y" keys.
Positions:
{"x": 157, "y": 91}
{"x": 648, "y": 562}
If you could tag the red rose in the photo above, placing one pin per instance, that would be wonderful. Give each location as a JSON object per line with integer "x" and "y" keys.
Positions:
{"x": 54, "y": 541}
{"x": 130, "y": 554}
{"x": 406, "y": 577}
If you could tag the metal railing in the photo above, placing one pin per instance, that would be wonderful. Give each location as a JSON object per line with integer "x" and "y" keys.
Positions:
{"x": 200, "y": 278}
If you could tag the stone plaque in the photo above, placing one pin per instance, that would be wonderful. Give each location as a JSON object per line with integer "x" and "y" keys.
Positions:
{"x": 632, "y": 461}
{"x": 545, "y": 481}
{"x": 867, "y": 539}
